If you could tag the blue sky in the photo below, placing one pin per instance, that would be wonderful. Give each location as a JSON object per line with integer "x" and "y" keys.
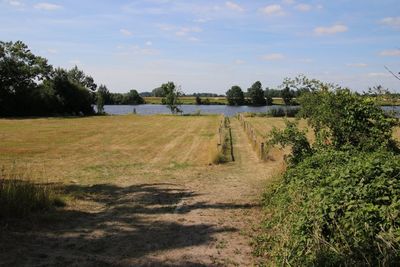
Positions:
{"x": 209, "y": 46}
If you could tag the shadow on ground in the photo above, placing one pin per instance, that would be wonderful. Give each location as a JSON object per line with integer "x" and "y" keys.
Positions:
{"x": 118, "y": 226}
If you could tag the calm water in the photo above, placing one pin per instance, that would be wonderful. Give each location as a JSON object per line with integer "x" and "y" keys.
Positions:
{"x": 187, "y": 109}
{"x": 204, "y": 109}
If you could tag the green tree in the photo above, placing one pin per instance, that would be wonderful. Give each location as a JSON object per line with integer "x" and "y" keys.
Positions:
{"x": 21, "y": 73}
{"x": 256, "y": 94}
{"x": 347, "y": 120}
{"x": 78, "y": 76}
{"x": 269, "y": 101}
{"x": 158, "y": 92}
{"x": 171, "y": 98}
{"x": 235, "y": 96}
{"x": 133, "y": 98}
{"x": 287, "y": 96}
{"x": 72, "y": 97}
{"x": 102, "y": 97}
{"x": 198, "y": 100}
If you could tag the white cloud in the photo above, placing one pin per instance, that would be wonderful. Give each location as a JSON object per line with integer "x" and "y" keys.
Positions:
{"x": 126, "y": 51}
{"x": 303, "y": 7}
{"x": 390, "y": 53}
{"x": 15, "y": 3}
{"x": 149, "y": 43}
{"x": 331, "y": 30}
{"x": 273, "y": 56}
{"x": 234, "y": 6}
{"x": 357, "y": 65}
{"x": 393, "y": 22}
{"x": 47, "y": 6}
{"x": 239, "y": 62}
{"x": 272, "y": 10}
{"x": 183, "y": 31}
{"x": 125, "y": 32}
{"x": 378, "y": 74}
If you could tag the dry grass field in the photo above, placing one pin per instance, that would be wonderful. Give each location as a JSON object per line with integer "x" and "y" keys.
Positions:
{"x": 139, "y": 192}
{"x": 88, "y": 150}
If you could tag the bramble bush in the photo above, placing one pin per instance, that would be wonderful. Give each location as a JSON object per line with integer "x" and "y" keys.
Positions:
{"x": 338, "y": 203}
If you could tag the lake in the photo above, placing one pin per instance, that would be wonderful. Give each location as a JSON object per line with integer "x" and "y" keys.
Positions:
{"x": 187, "y": 109}
{"x": 190, "y": 109}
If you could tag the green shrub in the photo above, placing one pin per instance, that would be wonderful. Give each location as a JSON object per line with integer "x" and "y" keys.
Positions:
{"x": 347, "y": 120}
{"x": 283, "y": 112}
{"x": 18, "y": 198}
{"x": 335, "y": 208}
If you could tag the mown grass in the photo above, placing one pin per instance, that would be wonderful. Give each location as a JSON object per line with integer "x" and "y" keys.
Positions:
{"x": 102, "y": 149}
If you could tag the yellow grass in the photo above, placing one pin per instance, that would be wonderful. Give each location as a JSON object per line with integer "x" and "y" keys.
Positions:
{"x": 263, "y": 125}
{"x": 397, "y": 134}
{"x": 99, "y": 148}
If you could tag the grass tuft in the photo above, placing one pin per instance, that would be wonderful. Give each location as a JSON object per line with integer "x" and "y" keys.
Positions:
{"x": 19, "y": 198}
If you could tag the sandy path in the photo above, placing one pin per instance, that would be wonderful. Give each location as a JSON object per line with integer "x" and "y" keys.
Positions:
{"x": 197, "y": 216}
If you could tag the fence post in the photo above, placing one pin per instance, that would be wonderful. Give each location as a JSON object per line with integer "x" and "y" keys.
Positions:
{"x": 262, "y": 151}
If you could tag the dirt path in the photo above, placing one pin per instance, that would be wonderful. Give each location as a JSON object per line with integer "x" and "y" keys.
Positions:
{"x": 196, "y": 216}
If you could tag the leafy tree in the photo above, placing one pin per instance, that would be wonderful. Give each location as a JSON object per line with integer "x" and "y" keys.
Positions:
{"x": 158, "y": 92}
{"x": 198, "y": 100}
{"x": 71, "y": 96}
{"x": 268, "y": 97}
{"x": 102, "y": 97}
{"x": 78, "y": 76}
{"x": 287, "y": 96}
{"x": 345, "y": 119}
{"x": 171, "y": 98}
{"x": 256, "y": 94}
{"x": 21, "y": 73}
{"x": 235, "y": 96}
{"x": 133, "y": 98}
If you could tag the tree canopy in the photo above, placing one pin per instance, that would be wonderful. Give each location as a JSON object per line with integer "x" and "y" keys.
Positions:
{"x": 171, "y": 97}
{"x": 235, "y": 96}
{"x": 256, "y": 94}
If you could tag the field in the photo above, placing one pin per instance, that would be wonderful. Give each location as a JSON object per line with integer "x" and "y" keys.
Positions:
{"x": 139, "y": 190}
{"x": 103, "y": 148}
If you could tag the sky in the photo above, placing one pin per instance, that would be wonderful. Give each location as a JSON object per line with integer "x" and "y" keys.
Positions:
{"x": 208, "y": 46}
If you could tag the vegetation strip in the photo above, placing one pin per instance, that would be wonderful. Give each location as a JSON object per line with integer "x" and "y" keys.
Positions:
{"x": 256, "y": 141}
{"x": 337, "y": 204}
{"x": 225, "y": 142}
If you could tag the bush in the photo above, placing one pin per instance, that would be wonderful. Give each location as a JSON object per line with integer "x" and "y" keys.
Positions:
{"x": 347, "y": 214}
{"x": 338, "y": 202}
{"x": 19, "y": 198}
{"x": 283, "y": 112}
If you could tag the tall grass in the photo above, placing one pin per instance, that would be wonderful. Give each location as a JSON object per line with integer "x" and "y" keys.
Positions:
{"x": 20, "y": 197}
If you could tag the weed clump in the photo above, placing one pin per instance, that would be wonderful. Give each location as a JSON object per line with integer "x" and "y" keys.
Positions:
{"x": 19, "y": 198}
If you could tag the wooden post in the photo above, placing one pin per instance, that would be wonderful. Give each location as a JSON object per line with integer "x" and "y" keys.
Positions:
{"x": 262, "y": 151}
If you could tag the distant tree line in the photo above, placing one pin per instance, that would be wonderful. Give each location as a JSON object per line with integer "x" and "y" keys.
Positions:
{"x": 30, "y": 86}
{"x": 130, "y": 98}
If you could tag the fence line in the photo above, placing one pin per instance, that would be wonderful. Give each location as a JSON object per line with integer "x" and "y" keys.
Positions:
{"x": 257, "y": 142}
{"x": 225, "y": 144}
